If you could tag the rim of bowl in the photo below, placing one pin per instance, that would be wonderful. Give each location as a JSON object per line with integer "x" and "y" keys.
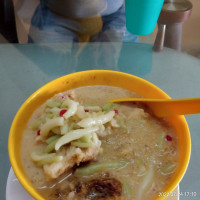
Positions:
{"x": 104, "y": 74}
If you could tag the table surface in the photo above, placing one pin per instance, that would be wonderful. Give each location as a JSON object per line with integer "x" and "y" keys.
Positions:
{"x": 25, "y": 68}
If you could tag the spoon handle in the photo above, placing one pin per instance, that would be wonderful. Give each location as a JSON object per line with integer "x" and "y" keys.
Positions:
{"x": 168, "y": 107}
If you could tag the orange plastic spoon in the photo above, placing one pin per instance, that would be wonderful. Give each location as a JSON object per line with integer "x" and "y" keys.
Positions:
{"x": 168, "y": 107}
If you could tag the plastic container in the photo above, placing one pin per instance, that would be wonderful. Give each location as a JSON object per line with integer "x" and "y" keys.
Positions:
{"x": 142, "y": 15}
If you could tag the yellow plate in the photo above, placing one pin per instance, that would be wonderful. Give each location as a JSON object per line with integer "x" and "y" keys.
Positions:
{"x": 93, "y": 77}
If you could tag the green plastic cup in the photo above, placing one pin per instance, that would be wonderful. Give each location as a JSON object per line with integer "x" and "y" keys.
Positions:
{"x": 142, "y": 15}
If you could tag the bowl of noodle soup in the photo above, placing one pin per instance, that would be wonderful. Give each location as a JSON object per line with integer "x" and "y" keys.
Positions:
{"x": 89, "y": 144}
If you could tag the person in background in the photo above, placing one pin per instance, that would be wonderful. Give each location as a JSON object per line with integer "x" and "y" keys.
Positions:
{"x": 79, "y": 21}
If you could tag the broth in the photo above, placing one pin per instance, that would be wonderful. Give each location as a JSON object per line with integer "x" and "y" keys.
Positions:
{"x": 139, "y": 152}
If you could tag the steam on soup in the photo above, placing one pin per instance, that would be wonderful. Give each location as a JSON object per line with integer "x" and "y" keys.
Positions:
{"x": 78, "y": 146}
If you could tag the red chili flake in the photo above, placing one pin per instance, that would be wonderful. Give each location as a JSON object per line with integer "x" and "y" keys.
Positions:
{"x": 116, "y": 111}
{"x": 86, "y": 110}
{"x": 63, "y": 97}
{"x": 168, "y": 138}
{"x": 62, "y": 112}
{"x": 38, "y": 132}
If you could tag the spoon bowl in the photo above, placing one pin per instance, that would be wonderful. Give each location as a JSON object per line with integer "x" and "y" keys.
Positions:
{"x": 168, "y": 107}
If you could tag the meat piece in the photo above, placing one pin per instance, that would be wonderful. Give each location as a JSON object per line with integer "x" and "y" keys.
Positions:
{"x": 138, "y": 114}
{"x": 100, "y": 189}
{"x": 72, "y": 156}
{"x": 104, "y": 188}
